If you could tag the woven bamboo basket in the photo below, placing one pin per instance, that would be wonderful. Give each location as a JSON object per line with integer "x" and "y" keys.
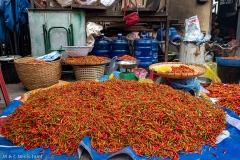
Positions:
{"x": 34, "y": 76}
{"x": 198, "y": 70}
{"x": 88, "y": 72}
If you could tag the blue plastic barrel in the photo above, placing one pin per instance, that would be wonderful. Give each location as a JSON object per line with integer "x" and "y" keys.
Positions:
{"x": 161, "y": 34}
{"x": 143, "y": 50}
{"x": 155, "y": 48}
{"x": 119, "y": 46}
{"x": 173, "y": 35}
{"x": 102, "y": 46}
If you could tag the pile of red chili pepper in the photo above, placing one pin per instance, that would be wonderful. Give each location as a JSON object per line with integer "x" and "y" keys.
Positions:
{"x": 182, "y": 69}
{"x": 231, "y": 58}
{"x": 85, "y": 60}
{"x": 37, "y": 62}
{"x": 228, "y": 94}
{"x": 127, "y": 57}
{"x": 154, "y": 119}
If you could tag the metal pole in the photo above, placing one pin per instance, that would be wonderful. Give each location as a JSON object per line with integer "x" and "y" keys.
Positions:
{"x": 15, "y": 36}
{"x": 167, "y": 32}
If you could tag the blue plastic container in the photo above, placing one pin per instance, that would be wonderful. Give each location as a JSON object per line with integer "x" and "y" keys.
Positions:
{"x": 155, "y": 48}
{"x": 228, "y": 70}
{"x": 143, "y": 50}
{"x": 102, "y": 46}
{"x": 161, "y": 34}
{"x": 174, "y": 36}
{"x": 119, "y": 46}
{"x": 227, "y": 62}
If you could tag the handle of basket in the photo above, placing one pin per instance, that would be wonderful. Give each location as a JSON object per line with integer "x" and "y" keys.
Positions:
{"x": 126, "y": 5}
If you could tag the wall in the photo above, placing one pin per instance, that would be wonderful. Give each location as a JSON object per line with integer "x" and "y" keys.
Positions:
{"x": 183, "y": 9}
{"x": 58, "y": 36}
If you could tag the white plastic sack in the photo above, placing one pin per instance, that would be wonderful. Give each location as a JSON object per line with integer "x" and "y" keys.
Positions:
{"x": 107, "y": 2}
{"x": 92, "y": 30}
{"x": 86, "y": 2}
{"x": 192, "y": 29}
{"x": 65, "y": 3}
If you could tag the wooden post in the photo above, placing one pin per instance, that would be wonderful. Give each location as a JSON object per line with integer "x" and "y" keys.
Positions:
{"x": 32, "y": 3}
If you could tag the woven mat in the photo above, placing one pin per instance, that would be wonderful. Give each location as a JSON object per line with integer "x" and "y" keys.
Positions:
{"x": 198, "y": 70}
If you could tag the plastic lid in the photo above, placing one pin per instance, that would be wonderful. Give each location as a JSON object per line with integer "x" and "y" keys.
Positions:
{"x": 119, "y": 34}
{"x": 144, "y": 33}
{"x": 9, "y": 57}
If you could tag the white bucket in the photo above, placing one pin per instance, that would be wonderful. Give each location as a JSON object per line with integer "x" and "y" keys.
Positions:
{"x": 191, "y": 53}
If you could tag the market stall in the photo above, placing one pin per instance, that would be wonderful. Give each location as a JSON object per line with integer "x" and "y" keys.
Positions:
{"x": 124, "y": 101}
{"x": 141, "y": 120}
{"x": 114, "y": 116}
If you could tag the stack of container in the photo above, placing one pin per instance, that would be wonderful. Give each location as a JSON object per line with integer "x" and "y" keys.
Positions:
{"x": 143, "y": 50}
{"x": 119, "y": 46}
{"x": 102, "y": 46}
{"x": 155, "y": 48}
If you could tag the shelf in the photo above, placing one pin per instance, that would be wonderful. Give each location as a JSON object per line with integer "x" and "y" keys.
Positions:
{"x": 117, "y": 16}
{"x": 88, "y": 7}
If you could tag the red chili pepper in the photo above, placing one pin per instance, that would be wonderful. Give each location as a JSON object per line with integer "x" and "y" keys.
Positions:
{"x": 115, "y": 114}
{"x": 224, "y": 152}
{"x": 215, "y": 155}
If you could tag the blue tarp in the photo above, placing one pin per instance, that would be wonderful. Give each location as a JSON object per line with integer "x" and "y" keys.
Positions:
{"x": 227, "y": 146}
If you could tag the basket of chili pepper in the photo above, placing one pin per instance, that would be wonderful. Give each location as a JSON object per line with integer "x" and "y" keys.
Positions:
{"x": 177, "y": 70}
{"x": 36, "y": 74}
{"x": 87, "y": 67}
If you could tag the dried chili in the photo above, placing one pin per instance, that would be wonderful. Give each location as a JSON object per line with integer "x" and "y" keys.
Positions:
{"x": 223, "y": 90}
{"x": 84, "y": 60}
{"x": 127, "y": 57}
{"x": 228, "y": 95}
{"x": 155, "y": 120}
{"x": 181, "y": 69}
{"x": 230, "y": 58}
{"x": 37, "y": 62}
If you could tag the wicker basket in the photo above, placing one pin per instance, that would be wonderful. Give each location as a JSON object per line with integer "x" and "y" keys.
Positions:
{"x": 198, "y": 70}
{"x": 88, "y": 72}
{"x": 34, "y": 76}
{"x": 220, "y": 51}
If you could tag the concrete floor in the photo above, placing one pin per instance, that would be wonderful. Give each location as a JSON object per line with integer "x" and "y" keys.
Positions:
{"x": 14, "y": 91}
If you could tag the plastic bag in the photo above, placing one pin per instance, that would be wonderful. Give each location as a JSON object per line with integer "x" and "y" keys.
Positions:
{"x": 187, "y": 85}
{"x": 92, "y": 30}
{"x": 133, "y": 36}
{"x": 107, "y": 2}
{"x": 192, "y": 29}
{"x": 204, "y": 39}
{"x": 49, "y": 57}
{"x": 65, "y": 3}
{"x": 86, "y": 2}
{"x": 145, "y": 80}
{"x": 113, "y": 66}
{"x": 212, "y": 72}
{"x": 140, "y": 72}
